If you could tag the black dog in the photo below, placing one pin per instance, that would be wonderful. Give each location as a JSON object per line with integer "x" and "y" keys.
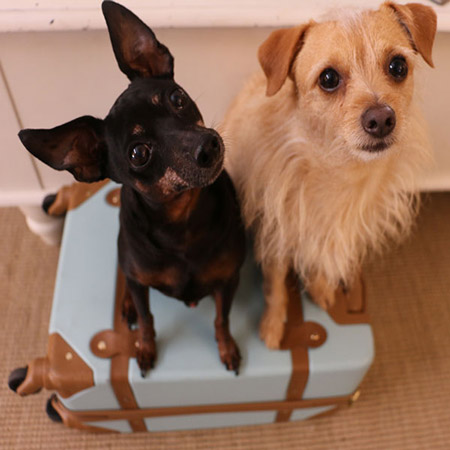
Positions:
{"x": 180, "y": 226}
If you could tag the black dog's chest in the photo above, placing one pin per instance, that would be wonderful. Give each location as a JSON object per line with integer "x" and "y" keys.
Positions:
{"x": 175, "y": 282}
{"x": 190, "y": 258}
{"x": 187, "y": 276}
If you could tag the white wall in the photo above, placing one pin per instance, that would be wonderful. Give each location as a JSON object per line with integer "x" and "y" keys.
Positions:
{"x": 56, "y": 76}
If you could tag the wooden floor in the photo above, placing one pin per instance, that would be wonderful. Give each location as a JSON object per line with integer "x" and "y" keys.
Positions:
{"x": 405, "y": 401}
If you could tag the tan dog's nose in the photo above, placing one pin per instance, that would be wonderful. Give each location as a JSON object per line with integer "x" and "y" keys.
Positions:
{"x": 379, "y": 121}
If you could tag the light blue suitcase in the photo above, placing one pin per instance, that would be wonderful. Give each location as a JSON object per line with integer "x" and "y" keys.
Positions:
{"x": 90, "y": 359}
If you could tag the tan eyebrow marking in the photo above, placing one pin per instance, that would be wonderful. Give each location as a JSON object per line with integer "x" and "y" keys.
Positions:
{"x": 156, "y": 99}
{"x": 138, "y": 129}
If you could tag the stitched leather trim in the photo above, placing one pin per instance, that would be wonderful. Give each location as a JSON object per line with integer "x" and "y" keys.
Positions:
{"x": 61, "y": 370}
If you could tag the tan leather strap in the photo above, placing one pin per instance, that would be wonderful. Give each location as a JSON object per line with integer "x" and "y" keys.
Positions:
{"x": 119, "y": 362}
{"x": 298, "y": 336}
{"x": 119, "y": 345}
{"x": 140, "y": 414}
{"x": 350, "y": 305}
{"x": 71, "y": 419}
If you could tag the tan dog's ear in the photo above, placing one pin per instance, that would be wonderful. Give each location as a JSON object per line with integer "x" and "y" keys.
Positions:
{"x": 419, "y": 22}
{"x": 277, "y": 53}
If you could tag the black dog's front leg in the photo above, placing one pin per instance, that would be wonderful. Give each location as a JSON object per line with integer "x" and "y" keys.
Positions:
{"x": 146, "y": 352}
{"x": 129, "y": 313}
{"x": 228, "y": 349}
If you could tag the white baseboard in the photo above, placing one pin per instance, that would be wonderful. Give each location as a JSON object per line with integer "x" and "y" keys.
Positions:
{"x": 22, "y": 198}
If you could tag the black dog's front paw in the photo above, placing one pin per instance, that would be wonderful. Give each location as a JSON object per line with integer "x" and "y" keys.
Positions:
{"x": 146, "y": 356}
{"x": 229, "y": 354}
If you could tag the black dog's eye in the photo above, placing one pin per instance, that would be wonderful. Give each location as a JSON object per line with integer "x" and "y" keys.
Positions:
{"x": 178, "y": 99}
{"x": 140, "y": 154}
{"x": 329, "y": 80}
{"x": 398, "y": 68}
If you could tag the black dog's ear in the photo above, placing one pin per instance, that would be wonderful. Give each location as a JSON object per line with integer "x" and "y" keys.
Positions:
{"x": 77, "y": 146}
{"x": 137, "y": 50}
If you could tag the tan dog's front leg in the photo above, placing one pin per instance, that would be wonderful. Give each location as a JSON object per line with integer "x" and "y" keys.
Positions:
{"x": 322, "y": 292}
{"x": 276, "y": 296}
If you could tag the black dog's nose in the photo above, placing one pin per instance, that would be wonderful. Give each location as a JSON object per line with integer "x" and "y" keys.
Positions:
{"x": 379, "y": 121}
{"x": 207, "y": 152}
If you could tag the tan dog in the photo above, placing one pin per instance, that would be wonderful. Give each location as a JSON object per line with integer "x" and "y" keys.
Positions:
{"x": 325, "y": 149}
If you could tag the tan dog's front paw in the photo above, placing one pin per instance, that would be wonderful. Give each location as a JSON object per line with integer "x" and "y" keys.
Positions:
{"x": 271, "y": 330}
{"x": 322, "y": 293}
{"x": 324, "y": 301}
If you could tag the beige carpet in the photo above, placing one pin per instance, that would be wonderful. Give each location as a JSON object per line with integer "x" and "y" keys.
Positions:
{"x": 405, "y": 401}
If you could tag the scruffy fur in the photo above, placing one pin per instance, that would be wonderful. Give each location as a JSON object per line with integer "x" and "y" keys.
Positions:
{"x": 315, "y": 199}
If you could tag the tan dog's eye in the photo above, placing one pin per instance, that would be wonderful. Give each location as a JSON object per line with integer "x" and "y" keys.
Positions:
{"x": 329, "y": 80}
{"x": 398, "y": 68}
